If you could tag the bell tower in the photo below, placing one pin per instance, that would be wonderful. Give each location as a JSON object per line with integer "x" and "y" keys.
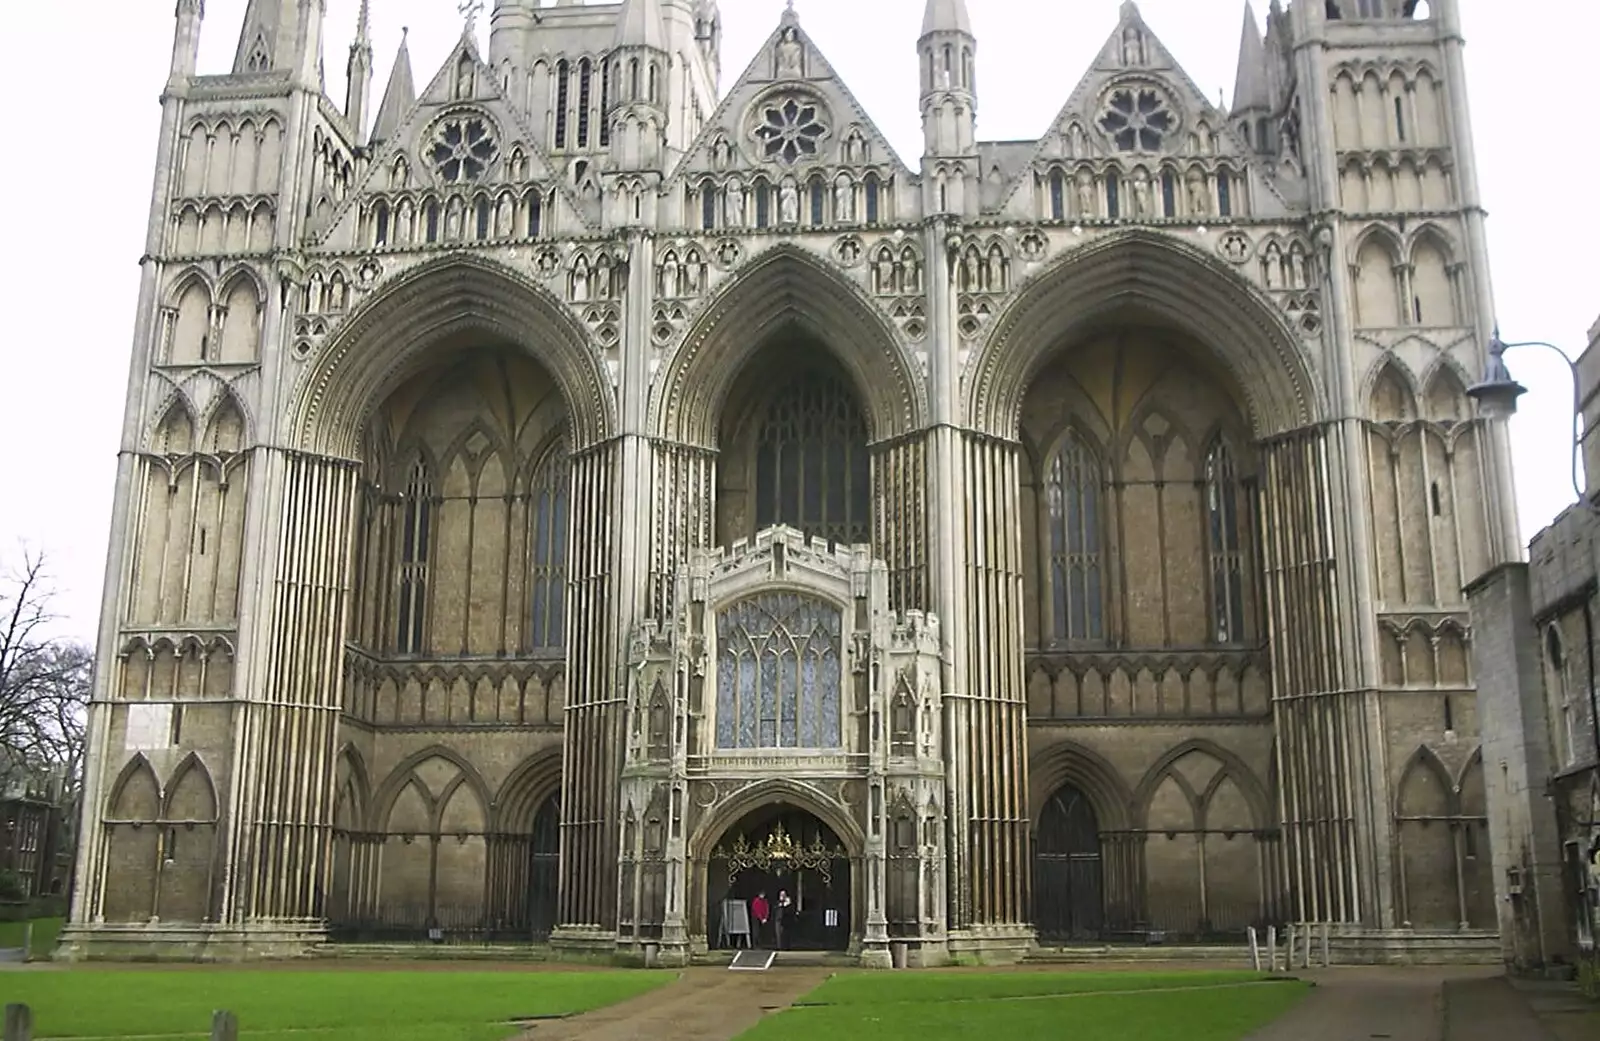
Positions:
{"x": 948, "y": 53}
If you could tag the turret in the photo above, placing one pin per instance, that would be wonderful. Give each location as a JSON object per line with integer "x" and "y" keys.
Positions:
{"x": 186, "y": 38}
{"x": 948, "y": 52}
{"x": 708, "y": 36}
{"x": 639, "y": 69}
{"x": 359, "y": 90}
{"x": 282, "y": 36}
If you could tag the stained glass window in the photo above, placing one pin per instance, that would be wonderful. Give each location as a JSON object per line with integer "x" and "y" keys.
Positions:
{"x": 1074, "y": 487}
{"x": 790, "y": 129}
{"x": 1224, "y": 539}
{"x": 1137, "y": 119}
{"x": 812, "y": 467}
{"x": 779, "y": 673}
{"x": 463, "y": 149}
{"x": 547, "y": 554}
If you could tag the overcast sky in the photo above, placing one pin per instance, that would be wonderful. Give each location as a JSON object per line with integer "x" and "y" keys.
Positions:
{"x": 78, "y": 209}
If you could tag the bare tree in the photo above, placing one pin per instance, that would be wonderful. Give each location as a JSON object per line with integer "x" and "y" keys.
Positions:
{"x": 44, "y": 684}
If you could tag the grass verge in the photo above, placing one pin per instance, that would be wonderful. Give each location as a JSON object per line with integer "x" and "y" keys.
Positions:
{"x": 45, "y": 932}
{"x": 328, "y": 1004}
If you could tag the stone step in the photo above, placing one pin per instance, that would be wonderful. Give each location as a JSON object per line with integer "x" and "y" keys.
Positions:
{"x": 1230, "y": 957}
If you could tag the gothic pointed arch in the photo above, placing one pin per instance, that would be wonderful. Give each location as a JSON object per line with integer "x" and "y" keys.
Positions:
{"x": 1070, "y": 763}
{"x": 535, "y": 780}
{"x": 191, "y": 795}
{"x": 1195, "y": 293}
{"x": 226, "y": 425}
{"x": 1229, "y": 767}
{"x": 786, "y": 288}
{"x": 136, "y": 795}
{"x": 769, "y": 792}
{"x": 174, "y": 433}
{"x": 354, "y": 782}
{"x": 395, "y": 332}
{"x": 1392, "y": 392}
{"x": 1426, "y": 788}
{"x": 404, "y": 775}
{"x": 1444, "y": 395}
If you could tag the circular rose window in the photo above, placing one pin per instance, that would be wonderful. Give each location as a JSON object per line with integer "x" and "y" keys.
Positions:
{"x": 463, "y": 148}
{"x": 1137, "y": 119}
{"x": 789, "y": 129}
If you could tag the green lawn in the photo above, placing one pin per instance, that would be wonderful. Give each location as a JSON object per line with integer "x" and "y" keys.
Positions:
{"x": 45, "y": 931}
{"x": 315, "y": 1006}
{"x": 1125, "y": 1006}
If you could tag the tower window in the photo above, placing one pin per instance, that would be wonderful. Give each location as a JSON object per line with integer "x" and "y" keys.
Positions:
{"x": 655, "y": 90}
{"x": 1224, "y": 193}
{"x": 563, "y": 95}
{"x": 633, "y": 78}
{"x": 585, "y": 76}
{"x": 1058, "y": 195}
{"x": 1074, "y": 486}
{"x": 1438, "y": 505}
{"x": 812, "y": 467}
{"x": 606, "y": 70}
{"x": 1400, "y": 118}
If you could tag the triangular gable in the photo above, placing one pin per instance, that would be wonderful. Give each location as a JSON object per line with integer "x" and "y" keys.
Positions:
{"x": 1132, "y": 53}
{"x": 464, "y": 82}
{"x": 788, "y": 59}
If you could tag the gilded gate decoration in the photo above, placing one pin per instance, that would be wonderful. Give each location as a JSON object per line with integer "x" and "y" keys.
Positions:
{"x": 777, "y": 851}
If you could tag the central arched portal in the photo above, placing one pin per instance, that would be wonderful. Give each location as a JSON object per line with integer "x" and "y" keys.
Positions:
{"x": 776, "y": 851}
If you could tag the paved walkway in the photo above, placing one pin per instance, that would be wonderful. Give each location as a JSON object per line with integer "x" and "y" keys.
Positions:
{"x": 703, "y": 1004}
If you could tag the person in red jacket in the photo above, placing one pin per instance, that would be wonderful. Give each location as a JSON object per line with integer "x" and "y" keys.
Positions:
{"x": 759, "y": 912}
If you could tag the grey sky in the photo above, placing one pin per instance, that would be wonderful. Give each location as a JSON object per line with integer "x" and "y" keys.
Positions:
{"x": 79, "y": 207}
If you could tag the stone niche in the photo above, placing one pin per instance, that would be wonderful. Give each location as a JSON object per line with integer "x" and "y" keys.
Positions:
{"x": 784, "y": 689}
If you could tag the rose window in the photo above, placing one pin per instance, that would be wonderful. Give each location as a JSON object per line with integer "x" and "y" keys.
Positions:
{"x": 463, "y": 149}
{"x": 789, "y": 130}
{"x": 1137, "y": 119}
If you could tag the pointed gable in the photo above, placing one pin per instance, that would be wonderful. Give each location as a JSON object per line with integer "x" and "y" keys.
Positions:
{"x": 789, "y": 115}
{"x": 462, "y": 139}
{"x": 1134, "y": 101}
{"x": 398, "y": 97}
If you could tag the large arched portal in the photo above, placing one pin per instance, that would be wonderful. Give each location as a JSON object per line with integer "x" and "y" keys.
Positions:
{"x": 779, "y": 852}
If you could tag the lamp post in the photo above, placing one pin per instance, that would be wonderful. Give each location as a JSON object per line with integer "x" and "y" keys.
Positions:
{"x": 1497, "y": 394}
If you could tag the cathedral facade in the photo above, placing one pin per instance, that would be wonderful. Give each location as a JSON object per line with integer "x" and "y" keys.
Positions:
{"x": 589, "y": 498}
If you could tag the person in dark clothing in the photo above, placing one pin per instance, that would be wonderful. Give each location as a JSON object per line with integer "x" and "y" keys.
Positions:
{"x": 780, "y": 914}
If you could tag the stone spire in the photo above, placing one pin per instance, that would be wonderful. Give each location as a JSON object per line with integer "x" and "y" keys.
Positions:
{"x": 640, "y": 25}
{"x": 359, "y": 91}
{"x": 399, "y": 96}
{"x": 949, "y": 16}
{"x": 1250, "y": 84}
{"x": 282, "y": 36}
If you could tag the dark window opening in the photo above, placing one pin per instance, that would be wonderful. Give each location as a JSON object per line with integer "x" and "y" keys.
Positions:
{"x": 1113, "y": 203}
{"x": 1224, "y": 193}
{"x": 433, "y": 221}
{"x": 1449, "y": 714}
{"x": 585, "y": 76}
{"x": 383, "y": 223}
{"x": 818, "y": 203}
{"x": 872, "y": 200}
{"x": 484, "y": 218}
{"x": 563, "y": 93}
{"x": 1169, "y": 195}
{"x": 1074, "y": 489}
{"x": 1400, "y": 119}
{"x": 1438, "y": 505}
{"x": 1058, "y": 195}
{"x": 416, "y": 524}
{"x": 813, "y": 470}
{"x": 708, "y": 207}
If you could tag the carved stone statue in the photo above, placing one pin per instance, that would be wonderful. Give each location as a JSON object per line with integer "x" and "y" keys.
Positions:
{"x": 669, "y": 275}
{"x": 1086, "y": 206}
{"x": 789, "y": 203}
{"x": 883, "y": 275}
{"x": 733, "y": 204}
{"x": 844, "y": 199}
{"x": 1141, "y": 195}
{"x": 1199, "y": 198}
{"x": 789, "y": 52}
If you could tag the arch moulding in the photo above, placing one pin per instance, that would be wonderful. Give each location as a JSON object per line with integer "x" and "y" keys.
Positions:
{"x": 767, "y": 793}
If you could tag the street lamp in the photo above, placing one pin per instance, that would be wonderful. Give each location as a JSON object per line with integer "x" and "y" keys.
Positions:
{"x": 1497, "y": 394}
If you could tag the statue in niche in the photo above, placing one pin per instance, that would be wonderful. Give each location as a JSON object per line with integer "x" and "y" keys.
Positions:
{"x": 601, "y": 284}
{"x": 789, "y": 202}
{"x": 1297, "y": 269}
{"x": 452, "y": 220}
{"x": 848, "y": 252}
{"x": 1085, "y": 193}
{"x": 1141, "y": 195}
{"x": 464, "y": 81}
{"x": 971, "y": 277}
{"x": 912, "y": 272}
{"x": 580, "y": 280}
{"x": 667, "y": 284}
{"x": 733, "y": 204}
{"x": 789, "y": 52}
{"x": 336, "y": 293}
{"x": 1132, "y": 46}
{"x": 844, "y": 199}
{"x": 997, "y": 273}
{"x": 1075, "y": 145}
{"x": 883, "y": 275}
{"x": 722, "y": 154}
{"x": 1199, "y": 198}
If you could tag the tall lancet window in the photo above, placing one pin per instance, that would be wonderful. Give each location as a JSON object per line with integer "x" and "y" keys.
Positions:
{"x": 547, "y": 551}
{"x": 1074, "y": 490}
{"x": 812, "y": 467}
{"x": 779, "y": 673}
{"x": 416, "y": 530}
{"x": 1225, "y": 543}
